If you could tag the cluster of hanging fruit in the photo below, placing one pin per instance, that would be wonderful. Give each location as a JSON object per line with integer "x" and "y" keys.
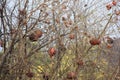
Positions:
{"x": 34, "y": 36}
{"x": 112, "y": 4}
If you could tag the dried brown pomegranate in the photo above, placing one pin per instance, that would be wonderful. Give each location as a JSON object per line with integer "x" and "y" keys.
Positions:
{"x": 71, "y": 75}
{"x": 109, "y": 46}
{"x": 108, "y": 6}
{"x": 33, "y": 37}
{"x": 114, "y": 2}
{"x": 1, "y": 43}
{"x": 46, "y": 76}
{"x": 80, "y": 62}
{"x": 52, "y": 52}
{"x": 95, "y": 41}
{"x": 38, "y": 33}
{"x": 30, "y": 74}
{"x": 71, "y": 36}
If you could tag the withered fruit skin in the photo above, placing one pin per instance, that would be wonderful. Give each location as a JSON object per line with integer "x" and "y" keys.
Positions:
{"x": 95, "y": 41}
{"x": 30, "y": 74}
{"x": 110, "y": 40}
{"x": 52, "y": 52}
{"x": 46, "y": 76}
{"x": 33, "y": 37}
{"x": 71, "y": 75}
{"x": 38, "y": 33}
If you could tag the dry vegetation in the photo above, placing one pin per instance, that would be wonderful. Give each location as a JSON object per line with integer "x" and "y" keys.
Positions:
{"x": 58, "y": 39}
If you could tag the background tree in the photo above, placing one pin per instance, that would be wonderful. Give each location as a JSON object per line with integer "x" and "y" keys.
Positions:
{"x": 57, "y": 39}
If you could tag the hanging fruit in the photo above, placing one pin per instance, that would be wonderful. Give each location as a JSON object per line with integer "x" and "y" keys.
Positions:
{"x": 109, "y": 46}
{"x": 70, "y": 22}
{"x": 117, "y": 12}
{"x": 95, "y": 41}
{"x": 109, "y": 6}
{"x": 80, "y": 62}
{"x": 13, "y": 31}
{"x": 52, "y": 52}
{"x": 35, "y": 35}
{"x": 71, "y": 36}
{"x": 38, "y": 33}
{"x": 114, "y": 2}
{"x": 64, "y": 7}
{"x": 66, "y": 24}
{"x": 1, "y": 43}
{"x": 109, "y": 40}
{"x": 22, "y": 12}
{"x": 30, "y": 74}
{"x": 46, "y": 76}
{"x": 63, "y": 18}
{"x": 71, "y": 75}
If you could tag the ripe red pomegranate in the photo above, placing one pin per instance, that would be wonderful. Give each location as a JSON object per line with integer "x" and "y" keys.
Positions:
{"x": 95, "y": 41}
{"x": 71, "y": 75}
{"x": 114, "y": 2}
{"x": 52, "y": 52}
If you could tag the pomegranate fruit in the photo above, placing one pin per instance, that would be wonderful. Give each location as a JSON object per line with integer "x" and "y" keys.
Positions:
{"x": 109, "y": 46}
{"x": 30, "y": 74}
{"x": 95, "y": 41}
{"x": 13, "y": 31}
{"x": 52, "y": 52}
{"x": 108, "y": 7}
{"x": 63, "y": 18}
{"x": 71, "y": 36}
{"x": 109, "y": 40}
{"x": 114, "y": 2}
{"x": 1, "y": 43}
{"x": 35, "y": 35}
{"x": 64, "y": 7}
{"x": 71, "y": 75}
{"x": 46, "y": 76}
{"x": 38, "y": 33}
{"x": 80, "y": 62}
{"x": 117, "y": 12}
